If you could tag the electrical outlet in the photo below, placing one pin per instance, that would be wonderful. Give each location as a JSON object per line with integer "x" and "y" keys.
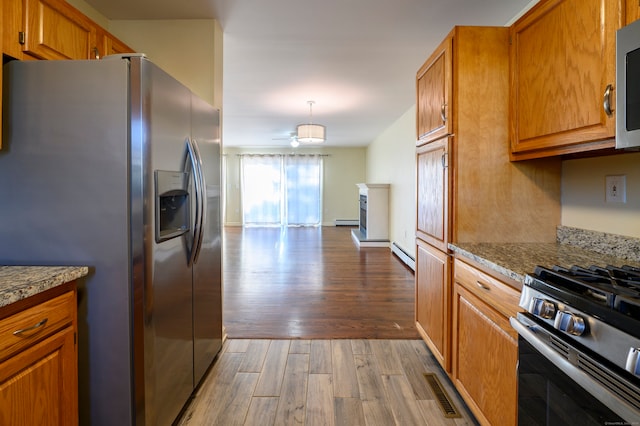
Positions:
{"x": 616, "y": 189}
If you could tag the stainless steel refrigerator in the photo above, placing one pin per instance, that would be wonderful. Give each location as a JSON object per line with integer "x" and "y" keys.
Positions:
{"x": 114, "y": 164}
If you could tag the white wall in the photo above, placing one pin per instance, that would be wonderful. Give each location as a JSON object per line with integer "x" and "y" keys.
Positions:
{"x": 189, "y": 50}
{"x": 583, "y": 194}
{"x": 391, "y": 159}
{"x": 343, "y": 169}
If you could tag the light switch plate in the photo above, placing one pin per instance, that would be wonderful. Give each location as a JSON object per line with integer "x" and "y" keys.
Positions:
{"x": 616, "y": 189}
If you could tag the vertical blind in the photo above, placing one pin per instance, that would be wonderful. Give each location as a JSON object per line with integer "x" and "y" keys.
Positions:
{"x": 281, "y": 190}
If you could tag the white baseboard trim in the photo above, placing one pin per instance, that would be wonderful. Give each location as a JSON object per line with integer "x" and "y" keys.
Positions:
{"x": 404, "y": 256}
{"x": 346, "y": 222}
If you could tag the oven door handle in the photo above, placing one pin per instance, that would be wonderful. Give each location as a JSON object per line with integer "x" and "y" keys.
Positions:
{"x": 617, "y": 405}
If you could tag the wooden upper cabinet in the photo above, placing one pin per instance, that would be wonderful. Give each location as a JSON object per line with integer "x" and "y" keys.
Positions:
{"x": 433, "y": 193}
{"x": 12, "y": 26}
{"x": 107, "y": 44}
{"x": 56, "y": 30}
{"x": 562, "y": 62}
{"x": 632, "y": 12}
{"x": 434, "y": 88}
{"x": 115, "y": 46}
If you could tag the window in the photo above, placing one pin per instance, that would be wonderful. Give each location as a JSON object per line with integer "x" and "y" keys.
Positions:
{"x": 280, "y": 190}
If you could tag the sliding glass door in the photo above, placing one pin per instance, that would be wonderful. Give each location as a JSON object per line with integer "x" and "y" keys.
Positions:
{"x": 281, "y": 190}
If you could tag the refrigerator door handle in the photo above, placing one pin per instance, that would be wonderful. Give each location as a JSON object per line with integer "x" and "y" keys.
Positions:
{"x": 192, "y": 162}
{"x": 203, "y": 202}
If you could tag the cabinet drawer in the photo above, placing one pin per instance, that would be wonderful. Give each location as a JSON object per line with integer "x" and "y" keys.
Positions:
{"x": 37, "y": 322}
{"x": 497, "y": 294}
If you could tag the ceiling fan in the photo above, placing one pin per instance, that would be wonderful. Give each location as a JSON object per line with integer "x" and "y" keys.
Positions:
{"x": 293, "y": 139}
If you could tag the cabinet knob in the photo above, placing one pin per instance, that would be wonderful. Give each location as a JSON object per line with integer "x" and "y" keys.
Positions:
{"x": 606, "y": 101}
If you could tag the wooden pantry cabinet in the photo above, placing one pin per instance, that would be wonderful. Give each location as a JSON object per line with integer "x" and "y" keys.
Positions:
{"x": 562, "y": 79}
{"x": 467, "y": 189}
{"x": 38, "y": 360}
{"x": 485, "y": 346}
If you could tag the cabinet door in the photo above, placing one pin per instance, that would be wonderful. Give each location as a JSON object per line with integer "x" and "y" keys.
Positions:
{"x": 55, "y": 30}
{"x": 632, "y": 11}
{"x": 107, "y": 44}
{"x": 433, "y": 103}
{"x": 562, "y": 57}
{"x": 39, "y": 386}
{"x": 485, "y": 354}
{"x": 432, "y": 187}
{"x": 12, "y": 26}
{"x": 433, "y": 300}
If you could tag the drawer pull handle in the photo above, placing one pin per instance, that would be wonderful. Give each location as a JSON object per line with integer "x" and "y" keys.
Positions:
{"x": 483, "y": 286}
{"x": 33, "y": 327}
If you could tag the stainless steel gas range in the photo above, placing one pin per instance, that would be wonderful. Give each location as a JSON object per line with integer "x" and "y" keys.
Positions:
{"x": 579, "y": 346}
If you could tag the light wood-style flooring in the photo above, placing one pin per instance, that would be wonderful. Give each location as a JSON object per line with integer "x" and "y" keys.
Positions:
{"x": 322, "y": 382}
{"x": 313, "y": 283}
{"x": 320, "y": 332}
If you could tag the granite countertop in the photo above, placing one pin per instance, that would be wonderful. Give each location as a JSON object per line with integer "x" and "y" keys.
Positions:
{"x": 573, "y": 247}
{"x": 20, "y": 282}
{"x": 515, "y": 260}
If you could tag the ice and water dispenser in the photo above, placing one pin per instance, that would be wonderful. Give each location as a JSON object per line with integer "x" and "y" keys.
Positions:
{"x": 172, "y": 204}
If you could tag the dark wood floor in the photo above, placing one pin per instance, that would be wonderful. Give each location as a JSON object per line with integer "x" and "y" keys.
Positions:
{"x": 313, "y": 283}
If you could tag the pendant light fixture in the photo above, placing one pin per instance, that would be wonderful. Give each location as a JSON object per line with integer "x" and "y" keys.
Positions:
{"x": 310, "y": 133}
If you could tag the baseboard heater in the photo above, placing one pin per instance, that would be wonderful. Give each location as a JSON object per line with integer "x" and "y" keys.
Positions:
{"x": 408, "y": 260}
{"x": 347, "y": 222}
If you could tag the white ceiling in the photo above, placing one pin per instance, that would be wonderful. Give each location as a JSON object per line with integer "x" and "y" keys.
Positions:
{"x": 356, "y": 59}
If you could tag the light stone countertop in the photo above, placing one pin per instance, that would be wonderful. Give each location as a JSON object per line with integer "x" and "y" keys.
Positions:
{"x": 20, "y": 282}
{"x": 515, "y": 260}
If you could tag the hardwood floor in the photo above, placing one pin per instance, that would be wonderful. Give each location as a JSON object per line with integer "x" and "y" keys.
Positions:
{"x": 258, "y": 382}
{"x": 313, "y": 283}
{"x": 320, "y": 333}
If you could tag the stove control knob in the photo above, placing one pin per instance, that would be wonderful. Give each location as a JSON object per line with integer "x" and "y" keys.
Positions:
{"x": 570, "y": 323}
{"x": 542, "y": 308}
{"x": 633, "y": 361}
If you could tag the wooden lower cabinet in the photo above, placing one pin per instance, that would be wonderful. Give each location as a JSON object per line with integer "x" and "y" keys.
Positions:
{"x": 38, "y": 368}
{"x": 484, "y": 345}
{"x": 433, "y": 300}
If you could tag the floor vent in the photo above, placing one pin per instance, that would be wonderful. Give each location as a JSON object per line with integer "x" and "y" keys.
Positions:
{"x": 448, "y": 408}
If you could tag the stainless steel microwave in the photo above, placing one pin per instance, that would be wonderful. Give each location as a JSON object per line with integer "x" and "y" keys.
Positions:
{"x": 628, "y": 86}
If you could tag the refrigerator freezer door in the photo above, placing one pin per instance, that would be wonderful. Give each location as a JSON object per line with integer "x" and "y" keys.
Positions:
{"x": 207, "y": 299}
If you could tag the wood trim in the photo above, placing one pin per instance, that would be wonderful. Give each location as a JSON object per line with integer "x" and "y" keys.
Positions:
{"x": 36, "y": 299}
